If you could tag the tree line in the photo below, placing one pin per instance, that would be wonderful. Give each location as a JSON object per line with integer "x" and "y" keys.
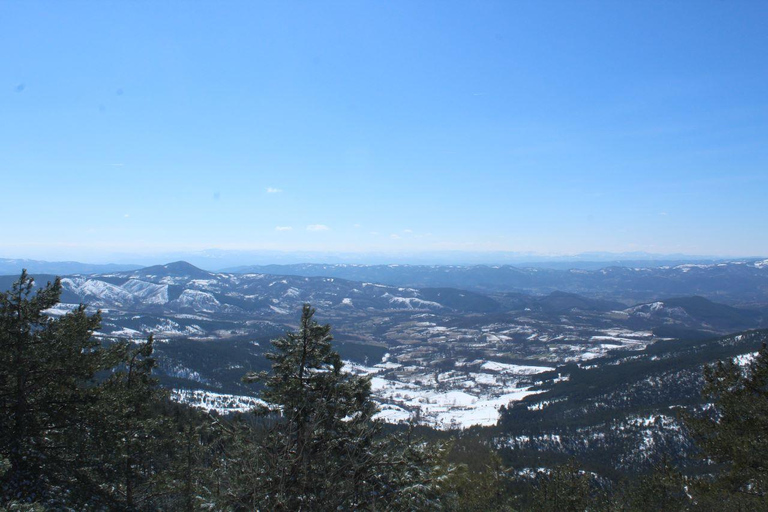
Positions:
{"x": 84, "y": 425}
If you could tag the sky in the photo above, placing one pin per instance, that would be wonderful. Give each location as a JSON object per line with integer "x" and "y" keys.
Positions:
{"x": 391, "y": 127}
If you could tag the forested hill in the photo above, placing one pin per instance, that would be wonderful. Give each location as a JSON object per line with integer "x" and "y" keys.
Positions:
{"x": 622, "y": 413}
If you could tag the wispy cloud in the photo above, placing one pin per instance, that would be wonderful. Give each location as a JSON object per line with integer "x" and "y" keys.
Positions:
{"x": 355, "y": 225}
{"x": 318, "y": 227}
{"x": 273, "y": 190}
{"x": 407, "y": 231}
{"x": 283, "y": 228}
{"x": 395, "y": 236}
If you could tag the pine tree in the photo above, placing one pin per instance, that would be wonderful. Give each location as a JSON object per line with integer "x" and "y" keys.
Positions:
{"x": 326, "y": 420}
{"x": 315, "y": 445}
{"x": 733, "y": 436}
{"x": 47, "y": 368}
{"x": 131, "y": 441}
{"x": 85, "y": 426}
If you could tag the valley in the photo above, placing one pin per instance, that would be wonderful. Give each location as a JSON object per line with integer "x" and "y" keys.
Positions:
{"x": 444, "y": 357}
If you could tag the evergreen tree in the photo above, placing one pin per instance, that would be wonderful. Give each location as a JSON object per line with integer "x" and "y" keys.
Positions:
{"x": 315, "y": 445}
{"x": 47, "y": 370}
{"x": 481, "y": 484}
{"x": 131, "y": 441}
{"x": 662, "y": 490}
{"x": 733, "y": 435}
{"x": 15, "y": 506}
{"x": 82, "y": 426}
{"x": 567, "y": 489}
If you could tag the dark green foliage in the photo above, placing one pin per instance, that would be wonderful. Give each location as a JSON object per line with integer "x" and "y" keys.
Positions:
{"x": 128, "y": 436}
{"x": 661, "y": 490}
{"x": 82, "y": 426}
{"x": 359, "y": 352}
{"x": 316, "y": 446}
{"x": 733, "y": 436}
{"x": 566, "y": 488}
{"x": 47, "y": 368}
{"x": 14, "y": 505}
{"x": 480, "y": 482}
{"x": 221, "y": 362}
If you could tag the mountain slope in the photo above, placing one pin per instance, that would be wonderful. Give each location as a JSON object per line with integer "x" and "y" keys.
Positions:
{"x": 621, "y": 410}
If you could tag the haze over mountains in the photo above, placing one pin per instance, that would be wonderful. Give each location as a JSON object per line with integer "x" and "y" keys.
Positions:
{"x": 14, "y": 266}
{"x": 228, "y": 260}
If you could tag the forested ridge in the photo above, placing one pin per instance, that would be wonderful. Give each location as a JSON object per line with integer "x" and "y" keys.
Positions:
{"x": 84, "y": 425}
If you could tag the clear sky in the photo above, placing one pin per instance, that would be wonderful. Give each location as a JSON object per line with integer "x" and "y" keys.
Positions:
{"x": 552, "y": 127}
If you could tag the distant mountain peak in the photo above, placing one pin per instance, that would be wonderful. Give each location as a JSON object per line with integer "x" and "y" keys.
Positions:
{"x": 176, "y": 268}
{"x": 181, "y": 265}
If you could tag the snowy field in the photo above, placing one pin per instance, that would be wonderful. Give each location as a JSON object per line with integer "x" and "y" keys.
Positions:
{"x": 459, "y": 398}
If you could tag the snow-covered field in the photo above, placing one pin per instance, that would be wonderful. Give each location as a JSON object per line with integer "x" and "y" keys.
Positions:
{"x": 450, "y": 399}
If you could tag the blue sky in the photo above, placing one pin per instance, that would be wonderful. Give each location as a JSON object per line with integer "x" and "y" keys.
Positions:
{"x": 550, "y": 127}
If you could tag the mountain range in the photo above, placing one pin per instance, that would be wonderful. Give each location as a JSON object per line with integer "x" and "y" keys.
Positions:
{"x": 448, "y": 355}
{"x": 734, "y": 282}
{"x": 14, "y": 267}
